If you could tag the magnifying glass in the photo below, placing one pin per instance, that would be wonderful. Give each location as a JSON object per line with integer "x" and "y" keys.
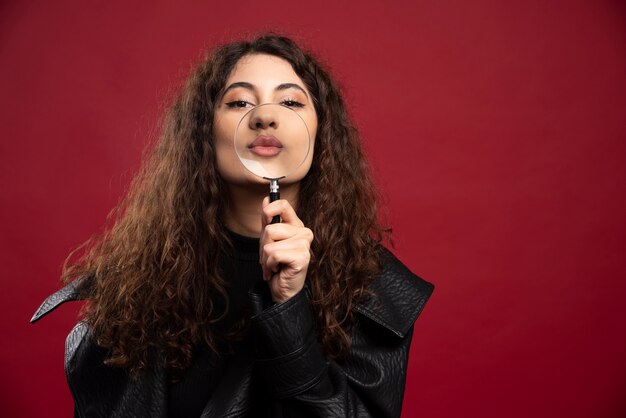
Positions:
{"x": 272, "y": 141}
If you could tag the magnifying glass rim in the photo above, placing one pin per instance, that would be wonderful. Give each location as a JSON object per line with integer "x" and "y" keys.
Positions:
{"x": 308, "y": 134}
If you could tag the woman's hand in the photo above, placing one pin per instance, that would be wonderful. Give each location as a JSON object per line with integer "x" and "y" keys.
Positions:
{"x": 284, "y": 250}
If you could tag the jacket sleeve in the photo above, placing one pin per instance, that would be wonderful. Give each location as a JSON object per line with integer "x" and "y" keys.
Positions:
{"x": 368, "y": 383}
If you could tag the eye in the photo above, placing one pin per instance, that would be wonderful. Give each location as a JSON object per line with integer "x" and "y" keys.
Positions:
{"x": 238, "y": 104}
{"x": 291, "y": 103}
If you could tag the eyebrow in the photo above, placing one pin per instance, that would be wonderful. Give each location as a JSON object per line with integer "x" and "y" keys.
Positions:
{"x": 250, "y": 86}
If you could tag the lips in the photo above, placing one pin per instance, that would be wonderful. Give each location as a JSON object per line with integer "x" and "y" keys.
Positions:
{"x": 265, "y": 146}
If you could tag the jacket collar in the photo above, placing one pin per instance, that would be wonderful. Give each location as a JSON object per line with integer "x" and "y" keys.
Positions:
{"x": 399, "y": 296}
{"x": 67, "y": 294}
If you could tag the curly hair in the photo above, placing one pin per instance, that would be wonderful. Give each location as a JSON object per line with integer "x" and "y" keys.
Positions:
{"x": 154, "y": 272}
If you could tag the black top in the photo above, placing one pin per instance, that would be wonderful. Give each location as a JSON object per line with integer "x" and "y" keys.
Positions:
{"x": 241, "y": 271}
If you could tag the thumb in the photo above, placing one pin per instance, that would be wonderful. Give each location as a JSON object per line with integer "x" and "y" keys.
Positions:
{"x": 266, "y": 201}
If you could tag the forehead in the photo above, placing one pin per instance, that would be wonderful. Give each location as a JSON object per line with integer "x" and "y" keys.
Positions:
{"x": 263, "y": 69}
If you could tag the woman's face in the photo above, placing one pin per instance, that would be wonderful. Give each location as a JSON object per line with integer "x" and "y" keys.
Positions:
{"x": 257, "y": 79}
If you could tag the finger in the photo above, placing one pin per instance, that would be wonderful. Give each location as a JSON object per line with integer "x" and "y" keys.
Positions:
{"x": 291, "y": 253}
{"x": 282, "y": 237}
{"x": 288, "y": 262}
{"x": 270, "y": 235}
{"x": 301, "y": 242}
{"x": 282, "y": 231}
{"x": 283, "y": 209}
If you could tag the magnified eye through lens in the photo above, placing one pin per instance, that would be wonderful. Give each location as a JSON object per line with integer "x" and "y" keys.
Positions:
{"x": 272, "y": 141}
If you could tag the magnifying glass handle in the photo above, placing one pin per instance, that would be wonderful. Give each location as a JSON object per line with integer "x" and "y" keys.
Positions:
{"x": 274, "y": 196}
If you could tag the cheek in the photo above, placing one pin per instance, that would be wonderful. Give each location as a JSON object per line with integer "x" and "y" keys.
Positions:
{"x": 224, "y": 149}
{"x": 222, "y": 129}
{"x": 306, "y": 165}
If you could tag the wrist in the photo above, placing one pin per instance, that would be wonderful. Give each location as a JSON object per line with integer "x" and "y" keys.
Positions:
{"x": 282, "y": 297}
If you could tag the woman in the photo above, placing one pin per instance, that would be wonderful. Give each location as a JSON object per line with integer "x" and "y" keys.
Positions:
{"x": 198, "y": 306}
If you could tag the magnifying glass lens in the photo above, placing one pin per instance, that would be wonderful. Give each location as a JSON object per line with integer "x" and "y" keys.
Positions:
{"x": 272, "y": 141}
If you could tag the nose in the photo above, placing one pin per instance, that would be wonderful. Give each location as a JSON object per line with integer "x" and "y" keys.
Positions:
{"x": 263, "y": 117}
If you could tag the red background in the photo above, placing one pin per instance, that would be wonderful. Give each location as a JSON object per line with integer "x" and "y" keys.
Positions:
{"x": 496, "y": 131}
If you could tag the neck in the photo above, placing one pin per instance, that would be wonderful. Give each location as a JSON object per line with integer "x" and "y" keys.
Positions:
{"x": 245, "y": 205}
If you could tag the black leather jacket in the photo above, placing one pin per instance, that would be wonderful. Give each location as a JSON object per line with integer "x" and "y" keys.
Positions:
{"x": 282, "y": 372}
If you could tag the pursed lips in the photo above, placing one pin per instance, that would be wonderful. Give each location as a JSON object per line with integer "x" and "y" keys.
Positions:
{"x": 265, "y": 146}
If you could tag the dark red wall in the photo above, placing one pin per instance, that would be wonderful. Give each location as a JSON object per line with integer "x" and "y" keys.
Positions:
{"x": 496, "y": 130}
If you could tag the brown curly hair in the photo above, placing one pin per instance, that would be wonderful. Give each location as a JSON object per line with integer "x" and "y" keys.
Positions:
{"x": 154, "y": 273}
